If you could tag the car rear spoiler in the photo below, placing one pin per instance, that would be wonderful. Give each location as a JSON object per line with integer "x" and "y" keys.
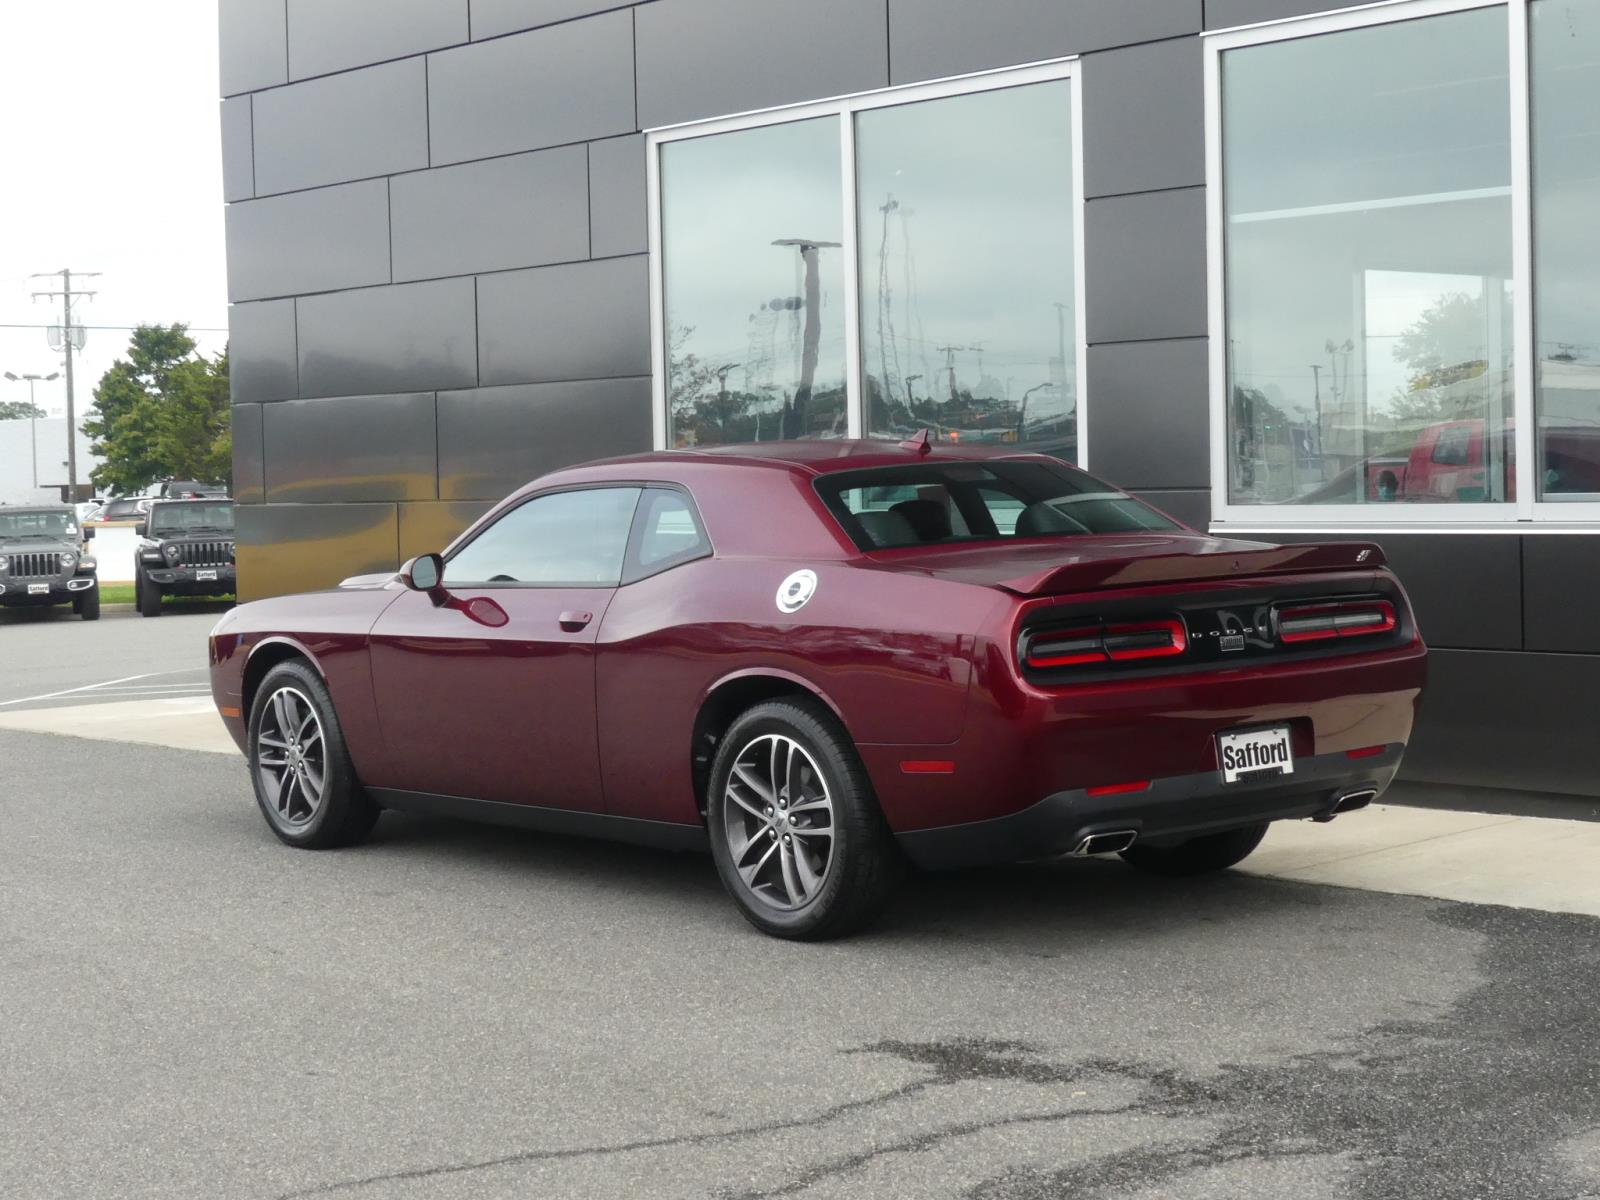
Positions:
{"x": 1223, "y": 563}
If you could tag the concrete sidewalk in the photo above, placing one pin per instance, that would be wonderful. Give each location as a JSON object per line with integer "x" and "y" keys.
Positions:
{"x": 1478, "y": 858}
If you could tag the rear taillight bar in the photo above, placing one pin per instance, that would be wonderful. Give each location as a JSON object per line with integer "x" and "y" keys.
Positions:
{"x": 1125, "y": 641}
{"x": 1319, "y": 622}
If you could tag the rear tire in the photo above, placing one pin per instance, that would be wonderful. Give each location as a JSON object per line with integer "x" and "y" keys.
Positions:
{"x": 148, "y": 595}
{"x": 1197, "y": 856}
{"x": 87, "y": 604}
{"x": 796, "y": 832}
{"x": 300, "y": 768}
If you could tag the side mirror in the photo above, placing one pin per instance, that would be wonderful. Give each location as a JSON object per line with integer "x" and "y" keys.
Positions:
{"x": 88, "y": 533}
{"x": 142, "y": 529}
{"x": 423, "y": 573}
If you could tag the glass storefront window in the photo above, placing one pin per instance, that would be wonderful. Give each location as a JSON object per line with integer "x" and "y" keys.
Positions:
{"x": 1565, "y": 55}
{"x": 752, "y": 232}
{"x": 965, "y": 212}
{"x": 1368, "y": 265}
{"x": 874, "y": 265}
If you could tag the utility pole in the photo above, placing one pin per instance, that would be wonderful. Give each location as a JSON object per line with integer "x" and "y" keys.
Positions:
{"x": 71, "y": 338}
{"x": 812, "y": 338}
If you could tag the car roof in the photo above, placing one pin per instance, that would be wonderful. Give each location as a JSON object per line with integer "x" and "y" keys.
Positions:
{"x": 37, "y": 508}
{"x": 170, "y": 501}
{"x": 824, "y": 456}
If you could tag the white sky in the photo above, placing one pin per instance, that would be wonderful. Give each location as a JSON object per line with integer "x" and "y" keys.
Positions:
{"x": 110, "y": 161}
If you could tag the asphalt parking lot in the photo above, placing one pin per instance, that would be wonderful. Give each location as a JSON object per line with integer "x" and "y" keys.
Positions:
{"x": 191, "y": 1009}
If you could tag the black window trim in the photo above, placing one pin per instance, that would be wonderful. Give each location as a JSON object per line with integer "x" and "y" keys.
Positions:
{"x": 633, "y": 571}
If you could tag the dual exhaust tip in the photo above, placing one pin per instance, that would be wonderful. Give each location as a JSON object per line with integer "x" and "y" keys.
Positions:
{"x": 1115, "y": 841}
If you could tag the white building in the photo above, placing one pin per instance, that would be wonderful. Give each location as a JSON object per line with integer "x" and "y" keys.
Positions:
{"x": 33, "y": 460}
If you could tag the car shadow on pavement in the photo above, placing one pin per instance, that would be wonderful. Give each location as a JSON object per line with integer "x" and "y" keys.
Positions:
{"x": 1031, "y": 902}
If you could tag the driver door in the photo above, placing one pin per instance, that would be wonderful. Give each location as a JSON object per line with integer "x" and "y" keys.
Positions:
{"x": 491, "y": 695}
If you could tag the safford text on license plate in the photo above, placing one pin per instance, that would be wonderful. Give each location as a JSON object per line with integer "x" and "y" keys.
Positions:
{"x": 38, "y": 589}
{"x": 204, "y": 575}
{"x": 1255, "y": 753}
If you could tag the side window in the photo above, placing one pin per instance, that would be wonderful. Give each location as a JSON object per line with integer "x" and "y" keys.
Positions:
{"x": 666, "y": 532}
{"x": 1451, "y": 448}
{"x": 577, "y": 538}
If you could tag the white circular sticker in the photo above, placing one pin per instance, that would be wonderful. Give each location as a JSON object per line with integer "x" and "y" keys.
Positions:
{"x": 794, "y": 591}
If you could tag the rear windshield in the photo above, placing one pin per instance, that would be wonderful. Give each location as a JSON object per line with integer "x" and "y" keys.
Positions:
{"x": 192, "y": 518}
{"x": 56, "y": 525}
{"x": 959, "y": 502}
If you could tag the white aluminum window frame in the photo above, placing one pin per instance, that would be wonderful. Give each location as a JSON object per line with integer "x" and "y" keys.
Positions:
{"x": 844, "y": 109}
{"x": 1527, "y": 513}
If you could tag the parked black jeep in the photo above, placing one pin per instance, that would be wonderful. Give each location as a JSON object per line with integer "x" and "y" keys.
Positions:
{"x": 186, "y": 549}
{"x": 43, "y": 560}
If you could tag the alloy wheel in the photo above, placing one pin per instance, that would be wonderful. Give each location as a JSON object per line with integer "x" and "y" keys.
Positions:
{"x": 778, "y": 821}
{"x": 291, "y": 756}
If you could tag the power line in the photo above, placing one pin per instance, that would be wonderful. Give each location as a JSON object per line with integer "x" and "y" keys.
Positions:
{"x": 121, "y": 328}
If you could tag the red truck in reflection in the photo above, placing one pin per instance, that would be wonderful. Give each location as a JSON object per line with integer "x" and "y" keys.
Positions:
{"x": 1465, "y": 461}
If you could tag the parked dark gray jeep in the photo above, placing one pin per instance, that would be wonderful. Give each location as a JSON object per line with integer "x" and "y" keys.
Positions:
{"x": 43, "y": 560}
{"x": 186, "y": 549}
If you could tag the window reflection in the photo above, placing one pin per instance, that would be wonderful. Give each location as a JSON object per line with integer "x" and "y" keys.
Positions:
{"x": 1565, "y": 44}
{"x": 965, "y": 244}
{"x": 1367, "y": 196}
{"x": 751, "y": 234}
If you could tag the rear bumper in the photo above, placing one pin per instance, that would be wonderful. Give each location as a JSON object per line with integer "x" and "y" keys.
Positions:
{"x": 1177, "y": 807}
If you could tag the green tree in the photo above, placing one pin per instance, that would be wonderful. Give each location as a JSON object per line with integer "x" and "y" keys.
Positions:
{"x": 162, "y": 413}
{"x": 19, "y": 410}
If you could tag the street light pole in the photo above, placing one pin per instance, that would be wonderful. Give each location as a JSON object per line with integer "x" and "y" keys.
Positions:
{"x": 33, "y": 417}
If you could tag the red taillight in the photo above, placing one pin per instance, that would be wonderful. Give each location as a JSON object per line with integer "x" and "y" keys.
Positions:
{"x": 1364, "y": 752}
{"x": 927, "y": 766}
{"x": 1118, "y": 789}
{"x": 1123, "y": 642}
{"x": 1319, "y": 622}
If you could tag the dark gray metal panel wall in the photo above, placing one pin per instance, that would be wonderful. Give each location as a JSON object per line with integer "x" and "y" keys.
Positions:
{"x": 254, "y": 49}
{"x": 342, "y": 127}
{"x": 238, "y": 152}
{"x": 708, "y": 58}
{"x": 388, "y": 339}
{"x": 933, "y": 38}
{"x": 496, "y": 258}
{"x": 491, "y": 18}
{"x": 1220, "y": 14}
{"x": 317, "y": 241}
{"x": 581, "y": 321}
{"x": 334, "y": 35}
{"x": 517, "y": 211}
{"x": 566, "y": 83}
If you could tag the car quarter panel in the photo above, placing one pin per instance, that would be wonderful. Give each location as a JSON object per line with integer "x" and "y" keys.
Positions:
{"x": 891, "y": 655}
{"x": 331, "y": 630}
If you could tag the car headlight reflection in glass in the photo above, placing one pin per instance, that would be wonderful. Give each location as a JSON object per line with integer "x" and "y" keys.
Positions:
{"x": 794, "y": 591}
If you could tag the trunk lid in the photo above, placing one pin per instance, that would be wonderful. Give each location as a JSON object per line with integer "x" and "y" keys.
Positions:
{"x": 1073, "y": 564}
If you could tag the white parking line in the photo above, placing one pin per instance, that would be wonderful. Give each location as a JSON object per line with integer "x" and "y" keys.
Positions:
{"x": 90, "y": 687}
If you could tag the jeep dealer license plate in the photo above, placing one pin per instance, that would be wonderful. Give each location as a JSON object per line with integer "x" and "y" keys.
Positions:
{"x": 1255, "y": 753}
{"x": 204, "y": 575}
{"x": 38, "y": 589}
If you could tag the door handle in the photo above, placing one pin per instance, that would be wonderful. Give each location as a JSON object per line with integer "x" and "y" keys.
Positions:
{"x": 574, "y": 621}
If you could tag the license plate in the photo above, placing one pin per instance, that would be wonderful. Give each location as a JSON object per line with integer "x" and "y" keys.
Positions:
{"x": 38, "y": 589}
{"x": 1255, "y": 753}
{"x": 204, "y": 575}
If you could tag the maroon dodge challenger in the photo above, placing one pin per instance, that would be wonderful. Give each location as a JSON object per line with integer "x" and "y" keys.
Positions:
{"x": 827, "y": 658}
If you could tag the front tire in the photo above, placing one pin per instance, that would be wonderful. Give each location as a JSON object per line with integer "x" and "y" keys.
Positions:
{"x": 1197, "y": 856}
{"x": 87, "y": 604}
{"x": 148, "y": 595}
{"x": 304, "y": 781}
{"x": 796, "y": 831}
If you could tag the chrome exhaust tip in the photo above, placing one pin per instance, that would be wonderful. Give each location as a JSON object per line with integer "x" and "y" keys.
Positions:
{"x": 1351, "y": 801}
{"x": 1346, "y": 802}
{"x": 1111, "y": 842}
